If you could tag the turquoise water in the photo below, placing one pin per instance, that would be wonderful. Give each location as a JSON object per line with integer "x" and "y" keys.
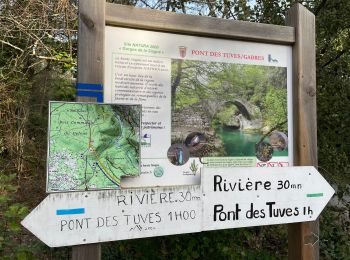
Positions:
{"x": 238, "y": 143}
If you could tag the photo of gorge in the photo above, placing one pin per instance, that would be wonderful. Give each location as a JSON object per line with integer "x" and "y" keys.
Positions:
{"x": 225, "y": 109}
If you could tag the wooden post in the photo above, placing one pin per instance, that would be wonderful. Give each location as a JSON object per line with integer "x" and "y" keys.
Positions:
{"x": 90, "y": 79}
{"x": 303, "y": 237}
{"x": 86, "y": 252}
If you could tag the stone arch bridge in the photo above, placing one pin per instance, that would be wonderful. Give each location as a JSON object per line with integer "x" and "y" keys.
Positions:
{"x": 199, "y": 116}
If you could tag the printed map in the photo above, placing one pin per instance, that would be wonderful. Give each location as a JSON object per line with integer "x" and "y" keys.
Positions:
{"x": 91, "y": 146}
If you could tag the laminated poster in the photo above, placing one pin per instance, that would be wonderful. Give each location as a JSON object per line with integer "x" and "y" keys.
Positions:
{"x": 92, "y": 146}
{"x": 206, "y": 102}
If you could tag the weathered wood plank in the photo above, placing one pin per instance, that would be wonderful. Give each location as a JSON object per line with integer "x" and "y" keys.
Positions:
{"x": 91, "y": 43}
{"x": 90, "y": 70}
{"x": 87, "y": 252}
{"x": 128, "y": 16}
{"x": 302, "y": 236}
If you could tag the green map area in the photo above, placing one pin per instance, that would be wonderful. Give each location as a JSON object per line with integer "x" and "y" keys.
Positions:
{"x": 91, "y": 146}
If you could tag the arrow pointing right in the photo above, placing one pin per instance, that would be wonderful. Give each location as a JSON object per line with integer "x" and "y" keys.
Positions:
{"x": 243, "y": 197}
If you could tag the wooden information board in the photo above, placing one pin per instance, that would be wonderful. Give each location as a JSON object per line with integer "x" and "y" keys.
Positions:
{"x": 299, "y": 34}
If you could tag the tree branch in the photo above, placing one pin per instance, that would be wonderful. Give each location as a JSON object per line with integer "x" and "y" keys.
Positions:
{"x": 334, "y": 59}
{"x": 11, "y": 45}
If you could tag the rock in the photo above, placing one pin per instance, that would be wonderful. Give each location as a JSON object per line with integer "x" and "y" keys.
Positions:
{"x": 250, "y": 125}
{"x": 266, "y": 129}
{"x": 233, "y": 123}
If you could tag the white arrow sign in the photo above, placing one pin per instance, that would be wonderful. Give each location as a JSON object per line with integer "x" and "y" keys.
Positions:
{"x": 229, "y": 198}
{"x": 64, "y": 219}
{"x": 243, "y": 197}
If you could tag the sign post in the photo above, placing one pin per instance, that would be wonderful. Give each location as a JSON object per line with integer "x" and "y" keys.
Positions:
{"x": 75, "y": 218}
{"x": 305, "y": 124}
{"x": 226, "y": 198}
{"x": 300, "y": 35}
{"x": 91, "y": 22}
{"x": 245, "y": 197}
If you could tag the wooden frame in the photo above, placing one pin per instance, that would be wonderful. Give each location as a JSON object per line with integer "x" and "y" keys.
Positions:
{"x": 127, "y": 16}
{"x": 300, "y": 34}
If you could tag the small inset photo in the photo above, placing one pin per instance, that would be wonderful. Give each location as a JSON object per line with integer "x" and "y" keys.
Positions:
{"x": 263, "y": 151}
{"x": 278, "y": 140}
{"x": 195, "y": 141}
{"x": 178, "y": 154}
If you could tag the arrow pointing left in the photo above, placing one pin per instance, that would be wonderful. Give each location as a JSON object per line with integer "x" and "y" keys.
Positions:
{"x": 64, "y": 219}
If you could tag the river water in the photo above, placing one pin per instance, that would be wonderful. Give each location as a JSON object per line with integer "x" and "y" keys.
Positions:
{"x": 239, "y": 143}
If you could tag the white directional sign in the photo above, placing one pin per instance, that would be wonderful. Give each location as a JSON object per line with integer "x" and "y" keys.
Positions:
{"x": 242, "y": 197}
{"x": 64, "y": 219}
{"x": 227, "y": 198}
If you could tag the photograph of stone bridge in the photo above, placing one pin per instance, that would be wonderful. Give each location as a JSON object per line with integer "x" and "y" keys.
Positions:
{"x": 234, "y": 106}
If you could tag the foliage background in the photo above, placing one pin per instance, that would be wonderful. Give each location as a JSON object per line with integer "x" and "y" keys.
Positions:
{"x": 38, "y": 47}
